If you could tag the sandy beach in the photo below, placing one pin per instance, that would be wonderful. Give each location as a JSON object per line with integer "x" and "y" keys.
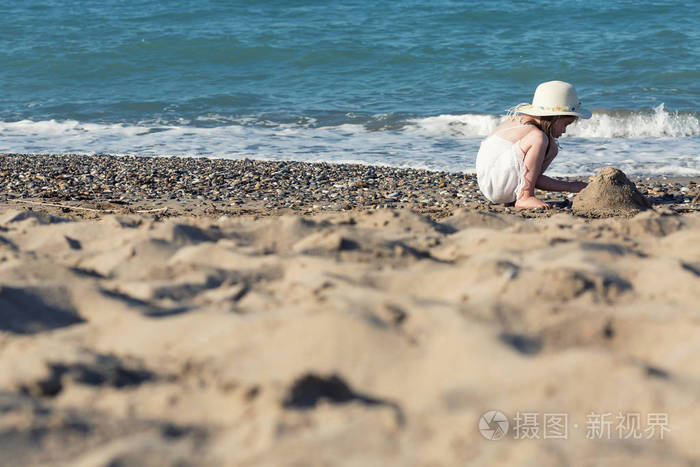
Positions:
{"x": 173, "y": 311}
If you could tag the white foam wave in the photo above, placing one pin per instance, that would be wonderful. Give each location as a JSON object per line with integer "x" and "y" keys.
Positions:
{"x": 603, "y": 124}
{"x": 447, "y": 142}
{"x": 467, "y": 125}
{"x": 656, "y": 124}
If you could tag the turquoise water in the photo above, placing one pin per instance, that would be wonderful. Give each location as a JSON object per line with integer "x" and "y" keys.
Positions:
{"x": 406, "y": 83}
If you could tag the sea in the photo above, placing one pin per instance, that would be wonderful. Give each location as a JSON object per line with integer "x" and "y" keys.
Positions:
{"x": 403, "y": 83}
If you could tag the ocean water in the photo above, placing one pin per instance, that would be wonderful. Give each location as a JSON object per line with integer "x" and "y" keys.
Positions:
{"x": 412, "y": 83}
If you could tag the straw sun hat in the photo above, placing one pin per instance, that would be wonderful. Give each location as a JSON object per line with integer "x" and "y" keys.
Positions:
{"x": 553, "y": 98}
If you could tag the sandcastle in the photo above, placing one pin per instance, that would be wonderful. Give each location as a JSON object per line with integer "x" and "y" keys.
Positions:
{"x": 610, "y": 194}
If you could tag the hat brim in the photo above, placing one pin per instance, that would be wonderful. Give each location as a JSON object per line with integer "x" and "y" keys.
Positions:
{"x": 581, "y": 113}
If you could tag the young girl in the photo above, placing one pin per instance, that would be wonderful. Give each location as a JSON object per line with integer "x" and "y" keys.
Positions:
{"x": 511, "y": 161}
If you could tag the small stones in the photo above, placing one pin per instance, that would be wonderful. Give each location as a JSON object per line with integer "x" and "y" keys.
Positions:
{"x": 264, "y": 187}
{"x": 254, "y": 185}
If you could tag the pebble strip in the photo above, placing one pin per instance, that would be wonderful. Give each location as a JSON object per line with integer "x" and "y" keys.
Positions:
{"x": 224, "y": 186}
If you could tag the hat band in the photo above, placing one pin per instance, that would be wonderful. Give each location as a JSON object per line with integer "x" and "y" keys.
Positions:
{"x": 557, "y": 108}
{"x": 525, "y": 106}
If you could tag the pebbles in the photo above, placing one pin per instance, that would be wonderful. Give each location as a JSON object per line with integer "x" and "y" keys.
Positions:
{"x": 265, "y": 187}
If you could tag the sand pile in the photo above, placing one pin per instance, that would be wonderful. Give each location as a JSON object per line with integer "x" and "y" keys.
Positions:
{"x": 610, "y": 194}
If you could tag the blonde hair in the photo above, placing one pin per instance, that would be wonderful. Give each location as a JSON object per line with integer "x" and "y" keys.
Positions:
{"x": 513, "y": 112}
{"x": 543, "y": 123}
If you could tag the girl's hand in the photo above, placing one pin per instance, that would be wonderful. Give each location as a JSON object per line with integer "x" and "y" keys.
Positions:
{"x": 575, "y": 187}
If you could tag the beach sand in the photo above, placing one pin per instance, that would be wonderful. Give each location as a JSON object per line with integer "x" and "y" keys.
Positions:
{"x": 312, "y": 329}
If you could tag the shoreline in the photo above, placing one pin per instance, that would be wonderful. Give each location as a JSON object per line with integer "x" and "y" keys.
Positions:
{"x": 215, "y": 187}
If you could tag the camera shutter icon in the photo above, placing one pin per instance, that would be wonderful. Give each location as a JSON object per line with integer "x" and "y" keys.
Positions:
{"x": 493, "y": 425}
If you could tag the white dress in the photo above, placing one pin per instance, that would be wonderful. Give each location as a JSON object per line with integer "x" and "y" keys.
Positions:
{"x": 500, "y": 169}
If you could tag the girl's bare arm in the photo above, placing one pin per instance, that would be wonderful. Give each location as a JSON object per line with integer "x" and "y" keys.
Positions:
{"x": 552, "y": 184}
